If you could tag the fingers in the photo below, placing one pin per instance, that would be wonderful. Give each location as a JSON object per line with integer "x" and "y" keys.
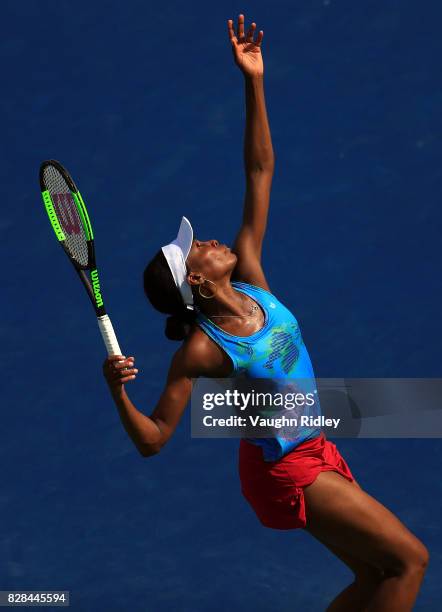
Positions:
{"x": 123, "y": 372}
{"x": 113, "y": 359}
{"x": 240, "y": 26}
{"x": 119, "y": 369}
{"x": 231, "y": 31}
{"x": 250, "y": 32}
{"x": 240, "y": 29}
{"x": 129, "y": 376}
{"x": 127, "y": 363}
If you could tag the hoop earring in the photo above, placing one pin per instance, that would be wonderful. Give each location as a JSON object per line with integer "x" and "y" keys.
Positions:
{"x": 208, "y": 297}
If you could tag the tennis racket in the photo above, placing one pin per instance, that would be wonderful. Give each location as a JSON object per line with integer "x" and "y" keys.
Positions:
{"x": 71, "y": 224}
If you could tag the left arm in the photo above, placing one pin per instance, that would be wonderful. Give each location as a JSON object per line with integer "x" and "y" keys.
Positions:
{"x": 258, "y": 157}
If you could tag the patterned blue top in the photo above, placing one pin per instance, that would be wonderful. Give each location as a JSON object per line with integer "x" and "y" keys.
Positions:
{"x": 276, "y": 351}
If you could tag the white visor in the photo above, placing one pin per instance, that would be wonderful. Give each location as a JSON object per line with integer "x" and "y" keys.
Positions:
{"x": 176, "y": 254}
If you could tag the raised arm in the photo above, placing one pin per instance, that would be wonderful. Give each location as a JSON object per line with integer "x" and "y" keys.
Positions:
{"x": 258, "y": 156}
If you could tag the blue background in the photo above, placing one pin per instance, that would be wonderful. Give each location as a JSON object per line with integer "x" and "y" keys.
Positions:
{"x": 144, "y": 105}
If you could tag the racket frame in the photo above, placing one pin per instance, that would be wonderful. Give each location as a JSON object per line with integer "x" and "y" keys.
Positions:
{"x": 92, "y": 286}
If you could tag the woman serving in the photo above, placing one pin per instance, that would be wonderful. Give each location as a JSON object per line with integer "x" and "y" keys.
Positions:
{"x": 230, "y": 324}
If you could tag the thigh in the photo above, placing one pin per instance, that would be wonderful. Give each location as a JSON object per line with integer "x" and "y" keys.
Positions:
{"x": 360, "y": 568}
{"x": 343, "y": 516}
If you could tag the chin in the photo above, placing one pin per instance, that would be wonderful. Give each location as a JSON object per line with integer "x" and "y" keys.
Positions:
{"x": 231, "y": 262}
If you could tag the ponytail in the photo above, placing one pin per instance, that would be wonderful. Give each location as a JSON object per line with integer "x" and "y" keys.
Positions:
{"x": 164, "y": 295}
{"x": 178, "y": 325}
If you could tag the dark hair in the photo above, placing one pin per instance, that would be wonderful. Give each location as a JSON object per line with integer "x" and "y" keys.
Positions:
{"x": 164, "y": 295}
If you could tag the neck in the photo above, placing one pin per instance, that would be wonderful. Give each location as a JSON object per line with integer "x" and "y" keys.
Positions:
{"x": 227, "y": 301}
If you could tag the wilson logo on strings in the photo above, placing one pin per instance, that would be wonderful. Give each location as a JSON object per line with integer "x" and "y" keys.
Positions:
{"x": 67, "y": 213}
{"x": 96, "y": 288}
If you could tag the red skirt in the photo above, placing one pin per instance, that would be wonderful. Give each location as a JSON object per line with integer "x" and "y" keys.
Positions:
{"x": 274, "y": 489}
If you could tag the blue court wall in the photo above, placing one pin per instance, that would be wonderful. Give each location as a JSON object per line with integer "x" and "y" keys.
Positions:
{"x": 143, "y": 104}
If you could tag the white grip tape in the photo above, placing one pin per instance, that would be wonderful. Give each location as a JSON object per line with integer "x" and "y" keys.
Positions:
{"x": 109, "y": 337}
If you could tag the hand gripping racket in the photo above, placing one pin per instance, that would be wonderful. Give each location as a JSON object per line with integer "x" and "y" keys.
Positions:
{"x": 71, "y": 224}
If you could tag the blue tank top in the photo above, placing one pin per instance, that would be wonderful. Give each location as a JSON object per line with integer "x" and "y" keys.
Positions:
{"x": 276, "y": 351}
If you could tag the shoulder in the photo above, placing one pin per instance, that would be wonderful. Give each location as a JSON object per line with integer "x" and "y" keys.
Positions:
{"x": 251, "y": 287}
{"x": 198, "y": 353}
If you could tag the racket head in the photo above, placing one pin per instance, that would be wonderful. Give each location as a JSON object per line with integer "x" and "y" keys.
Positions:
{"x": 67, "y": 214}
{"x": 70, "y": 221}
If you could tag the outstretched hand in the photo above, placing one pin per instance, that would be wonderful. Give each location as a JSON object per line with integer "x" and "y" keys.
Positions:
{"x": 246, "y": 52}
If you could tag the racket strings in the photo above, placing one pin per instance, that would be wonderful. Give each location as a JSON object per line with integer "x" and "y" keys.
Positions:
{"x": 67, "y": 214}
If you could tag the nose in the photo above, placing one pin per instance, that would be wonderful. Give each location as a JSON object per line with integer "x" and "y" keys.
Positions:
{"x": 214, "y": 243}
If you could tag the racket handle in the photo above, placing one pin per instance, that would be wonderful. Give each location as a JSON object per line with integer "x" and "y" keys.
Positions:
{"x": 109, "y": 337}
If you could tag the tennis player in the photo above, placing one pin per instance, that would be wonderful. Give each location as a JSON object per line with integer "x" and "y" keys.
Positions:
{"x": 229, "y": 324}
